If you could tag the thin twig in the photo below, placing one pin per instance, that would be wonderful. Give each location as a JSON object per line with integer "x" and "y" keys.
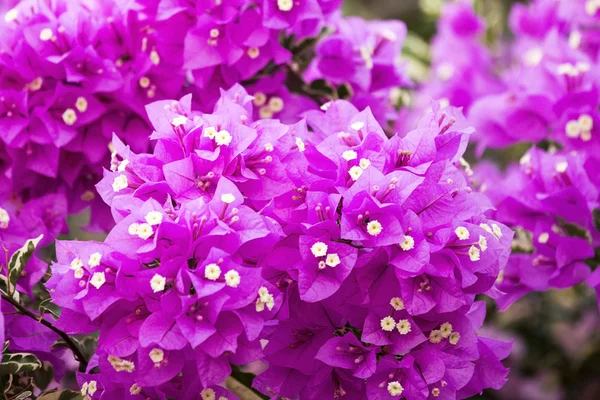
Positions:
{"x": 240, "y": 390}
{"x": 72, "y": 345}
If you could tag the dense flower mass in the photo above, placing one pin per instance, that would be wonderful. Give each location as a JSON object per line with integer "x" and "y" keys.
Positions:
{"x": 356, "y": 257}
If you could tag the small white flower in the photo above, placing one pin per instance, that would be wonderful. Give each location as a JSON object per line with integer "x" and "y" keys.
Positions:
{"x": 180, "y": 120}
{"x": 462, "y": 233}
{"x": 349, "y": 155}
{"x": 497, "y": 231}
{"x": 446, "y": 329}
{"x": 81, "y": 104}
{"x": 94, "y": 260}
{"x": 591, "y": 7}
{"x": 92, "y": 387}
{"x": 98, "y": 279}
{"x": 78, "y": 273}
{"x": 364, "y": 163}
{"x": 212, "y": 272}
{"x": 154, "y": 57}
{"x": 285, "y": 5}
{"x": 388, "y": 324}
{"x": 259, "y": 99}
{"x": 300, "y": 144}
{"x": 355, "y": 172}
{"x": 445, "y": 71}
{"x": 135, "y": 389}
{"x": 395, "y": 388}
{"x": 154, "y": 217}
{"x": 435, "y": 336}
{"x": 533, "y": 57}
{"x": 11, "y": 15}
{"x": 76, "y": 263}
{"x": 209, "y": 132}
{"x": 223, "y": 138}
{"x": 133, "y": 229}
{"x": 575, "y": 39}
{"x": 332, "y": 260}
{"x": 253, "y": 52}
{"x": 374, "y": 228}
{"x": 482, "y": 243}
{"x": 145, "y": 231}
{"x": 408, "y": 243}
{"x": 208, "y": 394}
{"x": 474, "y": 253}
{"x": 157, "y": 355}
{"x": 144, "y": 82}
{"x": 157, "y": 283}
{"x": 122, "y": 165}
{"x": 404, "y": 326}
{"x": 561, "y": 166}
{"x": 120, "y": 183}
{"x": 227, "y": 198}
{"x": 357, "y": 126}
{"x": 586, "y": 122}
{"x": 485, "y": 227}
{"x": 276, "y": 104}
{"x": 69, "y": 117}
{"x": 573, "y": 129}
{"x": 454, "y": 338}
{"x": 397, "y": 303}
{"x": 46, "y": 34}
{"x": 543, "y": 238}
{"x": 232, "y": 278}
{"x": 4, "y": 218}
{"x": 319, "y": 249}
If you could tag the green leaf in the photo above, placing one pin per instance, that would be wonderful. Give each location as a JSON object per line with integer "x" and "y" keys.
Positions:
{"x": 345, "y": 91}
{"x": 596, "y": 215}
{"x": 18, "y": 261}
{"x": 46, "y": 306}
{"x": 18, "y": 362}
{"x": 24, "y": 395}
{"x": 61, "y": 395}
{"x": 43, "y": 376}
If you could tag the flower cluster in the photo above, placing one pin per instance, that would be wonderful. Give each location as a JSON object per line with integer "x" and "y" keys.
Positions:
{"x": 354, "y": 258}
{"x": 72, "y": 73}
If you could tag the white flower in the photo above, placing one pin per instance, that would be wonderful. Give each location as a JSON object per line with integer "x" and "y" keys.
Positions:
{"x": 69, "y": 117}
{"x": 253, "y": 52}
{"x": 144, "y": 82}
{"x": 121, "y": 365}
{"x": 446, "y": 329}
{"x": 78, "y": 273}
{"x": 319, "y": 249}
{"x": 482, "y": 243}
{"x": 135, "y": 389}
{"x": 133, "y": 229}
{"x": 154, "y": 217}
{"x": 454, "y": 338}
{"x": 474, "y": 253}
{"x": 11, "y": 15}
{"x": 285, "y": 5}
{"x": 94, "y": 260}
{"x": 122, "y": 165}
{"x": 145, "y": 231}
{"x": 435, "y": 336}
{"x": 388, "y": 324}
{"x": 227, "y": 198}
{"x": 81, "y": 104}
{"x": 445, "y": 71}
{"x": 462, "y": 233}
{"x": 157, "y": 283}
{"x": 395, "y": 388}
{"x": 332, "y": 260}
{"x": 156, "y": 355}
{"x": 223, "y": 138}
{"x": 92, "y": 387}
{"x": 46, "y": 34}
{"x": 76, "y": 263}
{"x": 209, "y": 132}
{"x": 364, "y": 163}
{"x": 404, "y": 326}
{"x": 497, "y": 231}
{"x": 561, "y": 166}
{"x": 264, "y": 298}
{"x": 349, "y": 155}
{"x": 300, "y": 144}
{"x": 4, "y": 218}
{"x": 534, "y": 56}
{"x": 180, "y": 120}
{"x": 357, "y": 126}
{"x": 212, "y": 272}
{"x": 259, "y": 99}
{"x": 276, "y": 104}
{"x": 543, "y": 238}
{"x": 397, "y": 303}
{"x": 208, "y": 394}
{"x": 120, "y": 183}
{"x": 98, "y": 279}
{"x": 408, "y": 243}
{"x": 232, "y": 278}
{"x": 154, "y": 57}
{"x": 355, "y": 172}
{"x": 374, "y": 228}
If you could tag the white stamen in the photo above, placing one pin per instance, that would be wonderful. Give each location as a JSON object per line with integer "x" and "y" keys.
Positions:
{"x": 586, "y": 122}
{"x": 544, "y": 237}
{"x": 358, "y": 125}
{"x": 227, "y": 198}
{"x": 285, "y": 5}
{"x": 253, "y": 52}
{"x": 482, "y": 243}
{"x": 46, "y": 34}
{"x": 300, "y": 144}
{"x": 180, "y": 120}
{"x": 561, "y": 166}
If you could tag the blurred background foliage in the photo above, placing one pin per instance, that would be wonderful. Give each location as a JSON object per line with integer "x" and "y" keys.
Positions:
{"x": 556, "y": 350}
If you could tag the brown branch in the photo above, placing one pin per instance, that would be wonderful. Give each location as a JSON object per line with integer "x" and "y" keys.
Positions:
{"x": 72, "y": 345}
{"x": 240, "y": 390}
